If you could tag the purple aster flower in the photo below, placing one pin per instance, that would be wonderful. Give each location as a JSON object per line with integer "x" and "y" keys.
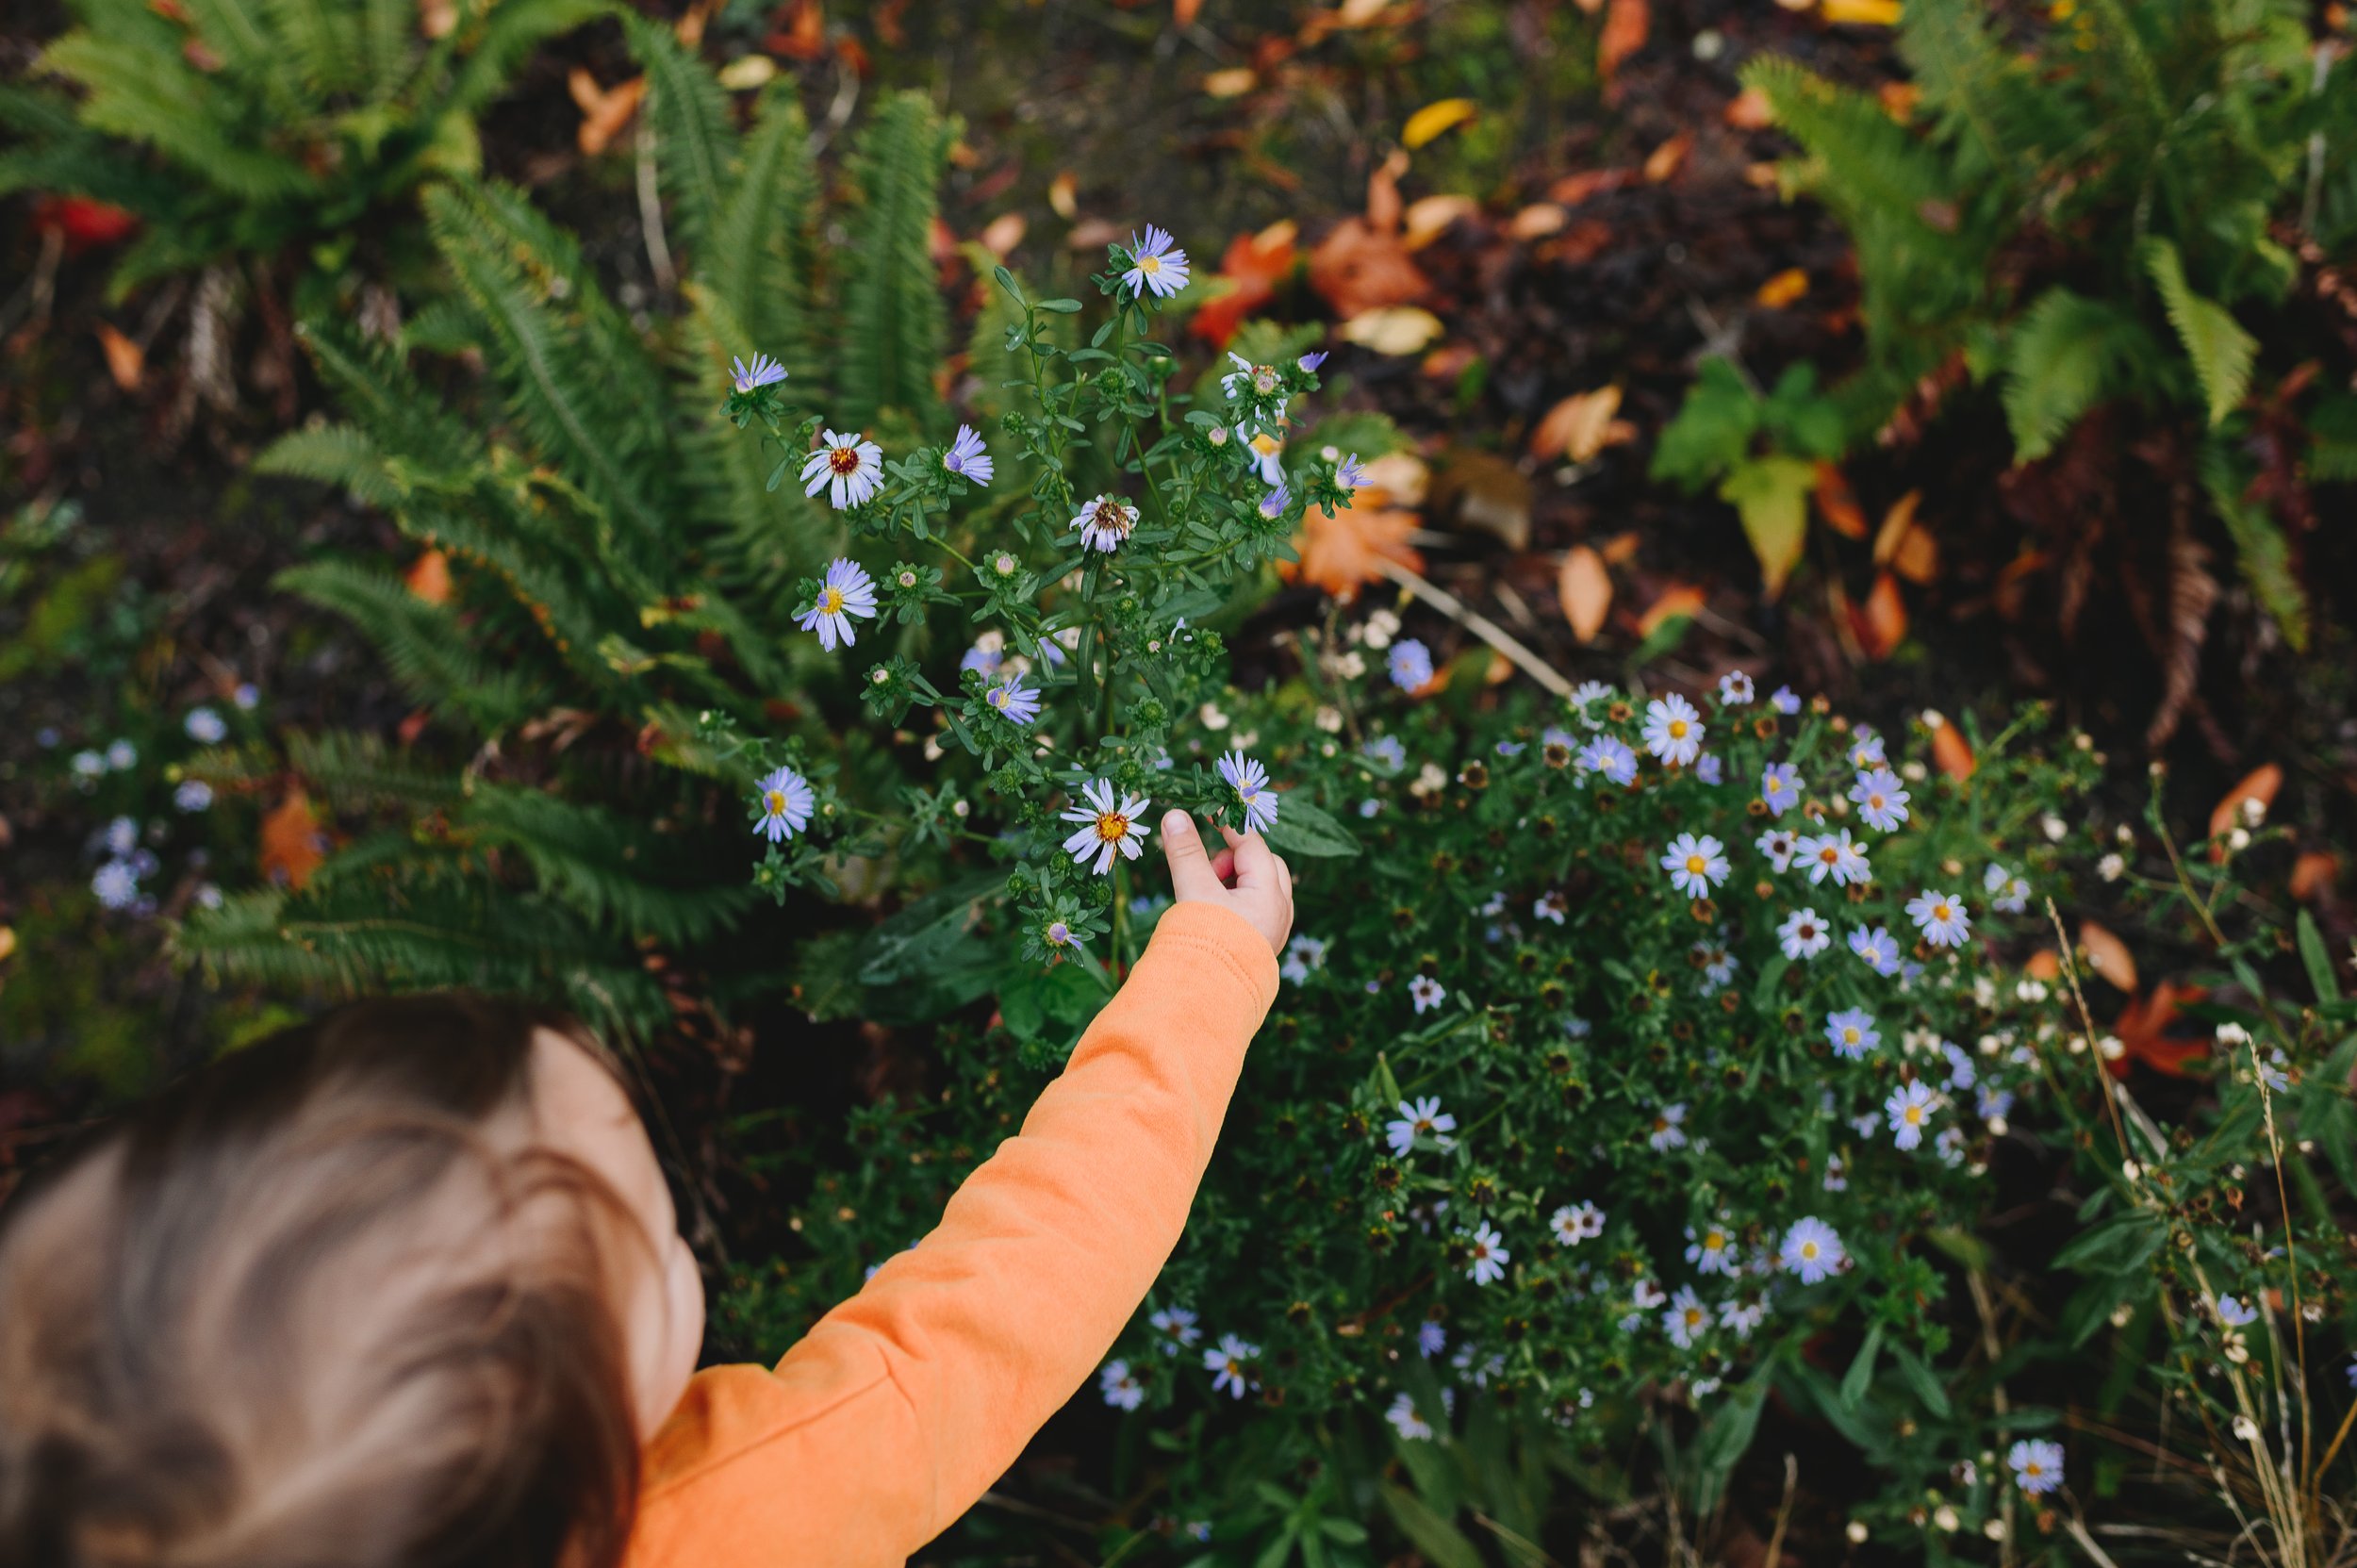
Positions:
{"x": 762, "y": 372}
{"x": 1156, "y": 265}
{"x": 967, "y": 458}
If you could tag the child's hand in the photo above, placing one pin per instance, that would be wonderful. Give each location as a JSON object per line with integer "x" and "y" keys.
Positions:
{"x": 1247, "y": 877}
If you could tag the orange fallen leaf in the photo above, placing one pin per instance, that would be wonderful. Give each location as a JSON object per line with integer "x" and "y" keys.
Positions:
{"x": 1749, "y": 111}
{"x": 1448, "y": 362}
{"x": 1003, "y": 233}
{"x": 1881, "y": 624}
{"x": 1183, "y": 12}
{"x": 1359, "y": 268}
{"x": 1430, "y": 218}
{"x": 126, "y": 362}
{"x": 1572, "y": 189}
{"x": 1896, "y": 521}
{"x": 438, "y": 18}
{"x": 2259, "y": 786}
{"x": 292, "y": 845}
{"x": 2314, "y": 873}
{"x": 1783, "y": 289}
{"x": 1344, "y": 553}
{"x": 1579, "y": 427}
{"x": 2107, "y": 955}
{"x": 1436, "y": 119}
{"x": 1678, "y": 602}
{"x": 1625, "y": 25}
{"x": 1951, "y": 753}
{"x": 1899, "y": 100}
{"x": 1586, "y": 590}
{"x": 1621, "y": 548}
{"x": 1252, "y": 267}
{"x": 1234, "y": 82}
{"x": 429, "y": 577}
{"x": 1915, "y": 557}
{"x": 1063, "y": 196}
{"x": 1860, "y": 13}
{"x": 8, "y": 942}
{"x": 2044, "y": 964}
{"x": 2143, "y": 1029}
{"x": 604, "y": 110}
{"x": 1666, "y": 160}
{"x": 1838, "y": 505}
{"x": 1538, "y": 221}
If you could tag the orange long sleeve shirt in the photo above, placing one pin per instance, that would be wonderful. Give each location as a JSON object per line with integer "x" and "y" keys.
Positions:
{"x": 907, "y": 1401}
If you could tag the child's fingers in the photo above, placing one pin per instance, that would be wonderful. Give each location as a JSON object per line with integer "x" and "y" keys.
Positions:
{"x": 1224, "y": 867}
{"x": 1257, "y": 866}
{"x": 1191, "y": 872}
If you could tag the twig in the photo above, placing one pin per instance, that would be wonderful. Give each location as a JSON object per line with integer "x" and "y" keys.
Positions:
{"x": 1784, "y": 1512}
{"x": 2078, "y": 1532}
{"x": 650, "y": 209}
{"x": 1481, "y": 627}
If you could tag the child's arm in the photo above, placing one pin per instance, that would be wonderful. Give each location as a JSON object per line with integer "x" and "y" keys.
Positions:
{"x": 907, "y": 1401}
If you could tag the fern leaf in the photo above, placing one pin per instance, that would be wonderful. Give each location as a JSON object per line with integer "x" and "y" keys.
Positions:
{"x": 512, "y": 30}
{"x": 162, "y": 103}
{"x": 2222, "y": 353}
{"x": 616, "y": 874}
{"x": 1875, "y": 164}
{"x": 320, "y": 41}
{"x": 2064, "y": 356}
{"x": 756, "y": 260}
{"x": 2261, "y": 552}
{"x": 357, "y": 770}
{"x": 336, "y": 454}
{"x": 2332, "y": 429}
{"x": 689, "y": 116}
{"x": 420, "y": 643}
{"x": 401, "y": 419}
{"x": 387, "y": 34}
{"x": 893, "y": 316}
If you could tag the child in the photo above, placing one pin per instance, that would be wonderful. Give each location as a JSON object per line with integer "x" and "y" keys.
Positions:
{"x": 403, "y": 1287}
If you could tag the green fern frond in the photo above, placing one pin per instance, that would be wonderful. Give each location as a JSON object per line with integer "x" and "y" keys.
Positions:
{"x": 355, "y": 769}
{"x": 400, "y": 416}
{"x": 423, "y": 644}
{"x": 510, "y": 30}
{"x": 336, "y": 454}
{"x": 1873, "y": 165}
{"x": 689, "y": 117}
{"x": 2222, "y": 353}
{"x": 2261, "y": 551}
{"x": 386, "y": 35}
{"x": 893, "y": 317}
{"x": 320, "y": 41}
{"x": 159, "y": 102}
{"x": 2064, "y": 356}
{"x": 757, "y": 260}
{"x": 612, "y": 873}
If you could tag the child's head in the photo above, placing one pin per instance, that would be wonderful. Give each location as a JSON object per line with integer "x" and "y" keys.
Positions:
{"x": 397, "y": 1287}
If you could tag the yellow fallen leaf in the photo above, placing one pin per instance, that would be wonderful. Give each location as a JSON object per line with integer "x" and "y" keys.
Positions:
{"x": 1861, "y": 14}
{"x": 1783, "y": 289}
{"x": 8, "y": 942}
{"x": 1004, "y": 233}
{"x": 1435, "y": 119}
{"x": 1396, "y": 479}
{"x": 1895, "y": 524}
{"x": 2107, "y": 955}
{"x": 1232, "y": 83}
{"x": 1427, "y": 218}
{"x": 1063, "y": 196}
{"x": 1396, "y": 329}
{"x": 1538, "y": 221}
{"x": 1586, "y": 590}
{"x": 747, "y": 71}
{"x": 1579, "y": 427}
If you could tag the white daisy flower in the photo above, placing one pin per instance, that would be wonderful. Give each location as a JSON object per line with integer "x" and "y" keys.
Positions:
{"x": 1575, "y": 1223}
{"x": 847, "y": 592}
{"x": 1265, "y": 451}
{"x": 1780, "y": 844}
{"x": 1106, "y": 523}
{"x": 1421, "y": 1119}
{"x": 1711, "y": 1249}
{"x": 1122, "y": 1390}
{"x": 1673, "y": 730}
{"x": 1834, "y": 855}
{"x": 968, "y": 458}
{"x": 1909, "y": 1109}
{"x": 1250, "y": 780}
{"x": 2007, "y": 893}
{"x": 1427, "y": 992}
{"x": 1805, "y": 934}
{"x": 1695, "y": 865}
{"x": 1669, "y": 1128}
{"x": 1882, "y": 799}
{"x": 1686, "y": 1317}
{"x": 1489, "y": 1257}
{"x": 1406, "y": 1422}
{"x": 1735, "y": 689}
{"x": 1943, "y": 920}
{"x": 1177, "y": 1325}
{"x": 1107, "y": 827}
{"x": 1812, "y": 1250}
{"x": 787, "y": 802}
{"x": 847, "y": 468}
{"x": 1229, "y": 1363}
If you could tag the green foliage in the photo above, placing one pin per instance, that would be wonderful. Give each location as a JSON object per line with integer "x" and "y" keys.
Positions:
{"x": 2094, "y": 202}
{"x": 893, "y": 328}
{"x": 242, "y": 126}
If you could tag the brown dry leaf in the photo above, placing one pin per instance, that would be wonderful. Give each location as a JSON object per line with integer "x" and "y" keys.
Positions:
{"x": 1359, "y": 268}
{"x": 1430, "y": 218}
{"x": 1003, "y": 233}
{"x": 1881, "y": 624}
{"x": 1678, "y": 602}
{"x": 1838, "y": 505}
{"x": 1586, "y": 590}
{"x": 2044, "y": 964}
{"x": 1383, "y": 203}
{"x": 2107, "y": 955}
{"x": 292, "y": 845}
{"x": 1896, "y": 521}
{"x": 1538, "y": 221}
{"x": 1233, "y": 82}
{"x": 1093, "y": 234}
{"x": 1396, "y": 479}
{"x": 1761, "y": 176}
{"x": 1572, "y": 189}
{"x": 1183, "y": 12}
{"x": 803, "y": 34}
{"x": 126, "y": 362}
{"x": 1621, "y": 548}
{"x": 2259, "y": 786}
{"x": 1667, "y": 158}
{"x": 1625, "y": 25}
{"x": 2314, "y": 873}
{"x": 1436, "y": 119}
{"x": 689, "y": 28}
{"x": 1749, "y": 111}
{"x": 1916, "y": 559}
{"x": 1345, "y": 551}
{"x": 2192, "y": 592}
{"x": 1579, "y": 427}
{"x": 1951, "y": 753}
{"x": 1783, "y": 289}
{"x": 1898, "y": 99}
{"x": 429, "y": 577}
{"x": 1395, "y": 329}
{"x": 604, "y": 110}
{"x": 1448, "y": 362}
{"x": 1063, "y": 196}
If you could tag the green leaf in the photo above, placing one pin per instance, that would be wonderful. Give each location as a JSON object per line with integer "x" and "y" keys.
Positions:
{"x": 1302, "y": 829}
{"x": 1725, "y": 1439}
{"x": 1435, "y": 1537}
{"x": 1772, "y": 495}
{"x": 2061, "y": 359}
{"x": 2119, "y": 1245}
{"x": 2317, "y": 958}
{"x": 1713, "y": 429}
{"x": 2221, "y": 349}
{"x": 2261, "y": 552}
{"x": 1920, "y": 1378}
{"x": 1861, "y": 1374}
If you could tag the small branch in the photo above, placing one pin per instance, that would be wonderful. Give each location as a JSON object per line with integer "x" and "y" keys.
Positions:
{"x": 650, "y": 210}
{"x": 1481, "y": 626}
{"x": 2078, "y": 1532}
{"x": 1784, "y": 1513}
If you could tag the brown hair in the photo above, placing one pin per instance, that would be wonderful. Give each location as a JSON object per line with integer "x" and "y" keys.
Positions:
{"x": 258, "y": 1326}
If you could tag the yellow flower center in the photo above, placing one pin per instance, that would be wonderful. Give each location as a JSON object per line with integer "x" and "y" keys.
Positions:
{"x": 1266, "y": 444}
{"x": 1808, "y": 1251}
{"x": 1939, "y": 912}
{"x": 830, "y": 601}
{"x": 1111, "y": 826}
{"x": 1696, "y": 865}
{"x": 1829, "y": 855}
{"x": 775, "y": 801}
{"x": 1149, "y": 265}
{"x": 1849, "y": 1036}
{"x": 1913, "y": 1115}
{"x": 843, "y": 459}
{"x": 1875, "y": 801}
{"x": 999, "y": 697}
{"x": 1678, "y": 729}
